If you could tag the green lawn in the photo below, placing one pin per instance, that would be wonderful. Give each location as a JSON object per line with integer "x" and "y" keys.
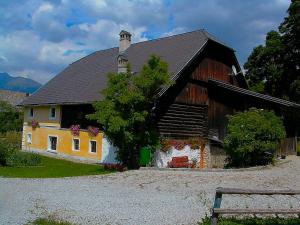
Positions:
{"x": 254, "y": 221}
{"x": 52, "y": 167}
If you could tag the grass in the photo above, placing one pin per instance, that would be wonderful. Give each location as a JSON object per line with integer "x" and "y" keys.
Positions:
{"x": 48, "y": 221}
{"x": 254, "y": 221}
{"x": 51, "y": 167}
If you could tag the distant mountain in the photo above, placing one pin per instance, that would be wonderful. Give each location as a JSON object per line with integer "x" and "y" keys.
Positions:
{"x": 20, "y": 84}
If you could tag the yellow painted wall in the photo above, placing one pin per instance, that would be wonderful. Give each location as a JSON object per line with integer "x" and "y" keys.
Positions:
{"x": 64, "y": 141}
{"x": 42, "y": 115}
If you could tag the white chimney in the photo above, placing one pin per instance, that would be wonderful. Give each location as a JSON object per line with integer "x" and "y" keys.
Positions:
{"x": 124, "y": 43}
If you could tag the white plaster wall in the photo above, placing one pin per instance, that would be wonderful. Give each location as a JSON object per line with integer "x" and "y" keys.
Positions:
{"x": 108, "y": 152}
{"x": 161, "y": 158}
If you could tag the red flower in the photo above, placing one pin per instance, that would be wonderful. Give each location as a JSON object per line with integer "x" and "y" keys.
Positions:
{"x": 34, "y": 124}
{"x": 75, "y": 130}
{"x": 93, "y": 130}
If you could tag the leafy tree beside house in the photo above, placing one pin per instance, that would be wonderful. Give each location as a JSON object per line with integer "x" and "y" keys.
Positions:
{"x": 125, "y": 112}
{"x": 11, "y": 118}
{"x": 253, "y": 137}
{"x": 274, "y": 68}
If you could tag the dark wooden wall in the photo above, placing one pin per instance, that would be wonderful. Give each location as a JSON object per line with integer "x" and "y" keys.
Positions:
{"x": 184, "y": 120}
{"x": 187, "y": 110}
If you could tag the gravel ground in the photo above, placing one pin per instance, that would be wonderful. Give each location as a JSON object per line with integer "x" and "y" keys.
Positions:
{"x": 140, "y": 197}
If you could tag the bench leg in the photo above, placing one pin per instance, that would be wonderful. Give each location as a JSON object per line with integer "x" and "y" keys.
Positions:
{"x": 214, "y": 219}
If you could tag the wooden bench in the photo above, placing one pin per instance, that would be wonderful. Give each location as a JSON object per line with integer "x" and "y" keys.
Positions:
{"x": 179, "y": 162}
{"x": 216, "y": 210}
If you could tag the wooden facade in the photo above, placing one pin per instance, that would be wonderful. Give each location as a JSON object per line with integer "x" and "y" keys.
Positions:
{"x": 193, "y": 107}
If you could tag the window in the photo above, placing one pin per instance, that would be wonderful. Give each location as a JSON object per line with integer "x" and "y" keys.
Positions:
{"x": 31, "y": 113}
{"x": 93, "y": 146}
{"x": 29, "y": 138}
{"x": 52, "y": 113}
{"x": 76, "y": 144}
{"x": 52, "y": 143}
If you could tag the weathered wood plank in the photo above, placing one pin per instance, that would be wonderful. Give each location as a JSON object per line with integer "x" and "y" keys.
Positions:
{"x": 256, "y": 211}
{"x": 257, "y": 192}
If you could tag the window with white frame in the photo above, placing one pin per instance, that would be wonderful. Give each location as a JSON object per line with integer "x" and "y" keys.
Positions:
{"x": 31, "y": 113}
{"x": 75, "y": 144}
{"x": 93, "y": 146}
{"x": 52, "y": 143}
{"x": 29, "y": 138}
{"x": 52, "y": 113}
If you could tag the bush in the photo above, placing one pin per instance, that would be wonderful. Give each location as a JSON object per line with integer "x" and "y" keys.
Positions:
{"x": 252, "y": 137}
{"x": 14, "y": 138}
{"x": 10, "y": 155}
{"x": 11, "y": 118}
{"x": 298, "y": 148}
{"x": 114, "y": 167}
{"x": 19, "y": 159}
{"x": 6, "y": 149}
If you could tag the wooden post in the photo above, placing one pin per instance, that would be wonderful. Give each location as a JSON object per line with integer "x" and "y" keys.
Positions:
{"x": 217, "y": 204}
{"x": 202, "y": 155}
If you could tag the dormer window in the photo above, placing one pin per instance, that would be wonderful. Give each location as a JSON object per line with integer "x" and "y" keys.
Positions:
{"x": 31, "y": 113}
{"x": 52, "y": 113}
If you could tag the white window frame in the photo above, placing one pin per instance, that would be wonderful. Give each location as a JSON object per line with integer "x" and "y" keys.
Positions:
{"x": 29, "y": 113}
{"x": 49, "y": 143}
{"x": 50, "y": 113}
{"x": 90, "y": 146}
{"x": 73, "y": 145}
{"x": 29, "y": 140}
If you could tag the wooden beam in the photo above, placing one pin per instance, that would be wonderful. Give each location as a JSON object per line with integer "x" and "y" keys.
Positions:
{"x": 256, "y": 211}
{"x": 257, "y": 192}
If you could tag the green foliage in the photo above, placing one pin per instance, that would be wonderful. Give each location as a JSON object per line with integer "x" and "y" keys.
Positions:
{"x": 11, "y": 118}
{"x": 295, "y": 90}
{"x": 272, "y": 68}
{"x": 252, "y": 137}
{"x": 22, "y": 159}
{"x": 126, "y": 111}
{"x": 14, "y": 138}
{"x": 264, "y": 66}
{"x": 253, "y": 221}
{"x": 51, "y": 167}
{"x": 10, "y": 155}
{"x": 49, "y": 221}
{"x": 6, "y": 150}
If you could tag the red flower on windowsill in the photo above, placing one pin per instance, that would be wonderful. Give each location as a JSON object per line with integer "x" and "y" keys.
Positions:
{"x": 93, "y": 130}
{"x": 34, "y": 124}
{"x": 75, "y": 130}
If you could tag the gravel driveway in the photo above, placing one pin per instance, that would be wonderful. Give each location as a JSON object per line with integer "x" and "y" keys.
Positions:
{"x": 139, "y": 197}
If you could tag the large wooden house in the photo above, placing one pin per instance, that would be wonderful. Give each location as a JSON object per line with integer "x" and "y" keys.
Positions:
{"x": 208, "y": 86}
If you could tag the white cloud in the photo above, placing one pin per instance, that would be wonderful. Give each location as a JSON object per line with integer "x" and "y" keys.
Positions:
{"x": 39, "y": 38}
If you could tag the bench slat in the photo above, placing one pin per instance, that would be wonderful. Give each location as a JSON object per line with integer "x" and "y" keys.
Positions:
{"x": 257, "y": 192}
{"x": 256, "y": 211}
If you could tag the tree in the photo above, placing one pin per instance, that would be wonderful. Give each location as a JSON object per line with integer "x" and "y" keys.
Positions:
{"x": 125, "y": 113}
{"x": 290, "y": 30}
{"x": 272, "y": 68}
{"x": 264, "y": 66}
{"x": 252, "y": 137}
{"x": 11, "y": 118}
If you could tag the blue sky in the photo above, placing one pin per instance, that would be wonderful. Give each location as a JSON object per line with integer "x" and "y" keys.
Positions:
{"x": 40, "y": 38}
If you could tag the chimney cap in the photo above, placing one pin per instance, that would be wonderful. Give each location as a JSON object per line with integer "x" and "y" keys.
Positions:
{"x": 125, "y": 32}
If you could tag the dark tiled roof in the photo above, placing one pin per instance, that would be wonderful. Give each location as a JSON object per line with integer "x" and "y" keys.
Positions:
{"x": 82, "y": 80}
{"x": 253, "y": 94}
